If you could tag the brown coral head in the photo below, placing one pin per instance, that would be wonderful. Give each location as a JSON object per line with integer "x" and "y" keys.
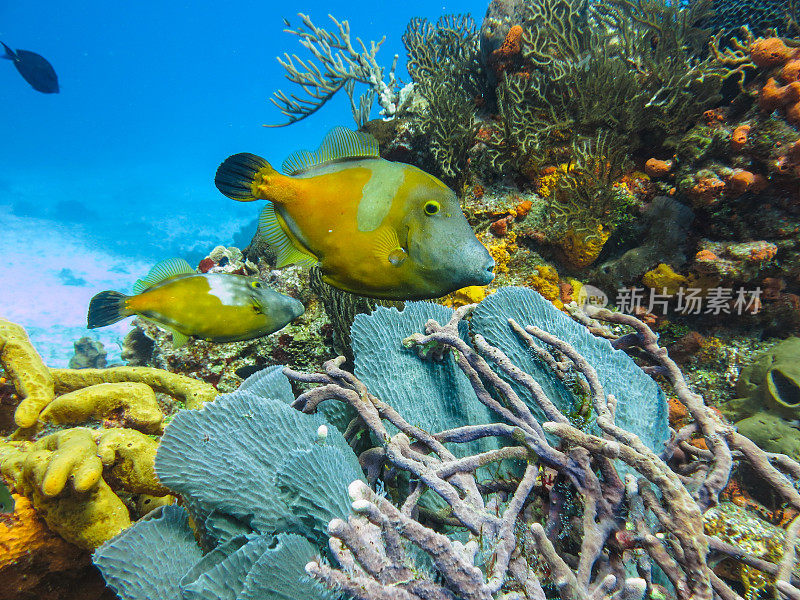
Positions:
{"x": 774, "y": 96}
{"x": 499, "y": 228}
{"x": 793, "y": 110}
{"x": 772, "y": 287}
{"x": 512, "y": 45}
{"x": 522, "y": 209}
{"x": 739, "y": 137}
{"x": 794, "y": 152}
{"x": 658, "y": 168}
{"x": 707, "y": 191}
{"x": 744, "y": 181}
{"x": 706, "y": 256}
{"x": 769, "y": 52}
{"x": 713, "y": 116}
{"x": 791, "y": 71}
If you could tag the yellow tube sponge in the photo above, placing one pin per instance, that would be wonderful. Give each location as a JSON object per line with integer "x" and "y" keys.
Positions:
{"x": 32, "y": 379}
{"x": 86, "y": 520}
{"x": 66, "y": 455}
{"x": 137, "y": 401}
{"x": 130, "y": 460}
{"x": 191, "y": 392}
{"x": 85, "y": 513}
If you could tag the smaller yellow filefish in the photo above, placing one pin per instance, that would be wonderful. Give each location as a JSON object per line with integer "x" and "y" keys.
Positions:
{"x": 375, "y": 227}
{"x": 217, "y": 307}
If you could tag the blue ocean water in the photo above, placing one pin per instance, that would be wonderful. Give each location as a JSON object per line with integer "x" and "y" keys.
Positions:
{"x": 116, "y": 171}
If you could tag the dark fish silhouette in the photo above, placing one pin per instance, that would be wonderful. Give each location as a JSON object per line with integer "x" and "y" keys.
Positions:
{"x": 34, "y": 69}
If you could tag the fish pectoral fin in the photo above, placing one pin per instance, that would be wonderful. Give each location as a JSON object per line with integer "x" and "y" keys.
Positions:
{"x": 166, "y": 269}
{"x": 387, "y": 246}
{"x": 288, "y": 252}
{"x": 178, "y": 338}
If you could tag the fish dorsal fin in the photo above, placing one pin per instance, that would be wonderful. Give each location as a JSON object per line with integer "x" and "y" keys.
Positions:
{"x": 340, "y": 143}
{"x": 270, "y": 229}
{"x": 166, "y": 269}
{"x": 9, "y": 54}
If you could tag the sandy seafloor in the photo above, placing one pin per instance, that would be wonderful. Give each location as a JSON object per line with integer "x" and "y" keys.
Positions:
{"x": 49, "y": 296}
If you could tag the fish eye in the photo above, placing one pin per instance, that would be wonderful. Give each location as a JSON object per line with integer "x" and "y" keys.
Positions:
{"x": 255, "y": 284}
{"x": 431, "y": 207}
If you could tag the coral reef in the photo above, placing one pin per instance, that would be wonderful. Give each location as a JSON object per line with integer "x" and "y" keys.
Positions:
{"x": 486, "y": 504}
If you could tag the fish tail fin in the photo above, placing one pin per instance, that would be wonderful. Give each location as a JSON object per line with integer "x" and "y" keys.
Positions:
{"x": 240, "y": 176}
{"x": 9, "y": 53}
{"x": 106, "y": 308}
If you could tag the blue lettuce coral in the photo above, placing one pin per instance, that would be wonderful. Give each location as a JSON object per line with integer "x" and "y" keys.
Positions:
{"x": 260, "y": 482}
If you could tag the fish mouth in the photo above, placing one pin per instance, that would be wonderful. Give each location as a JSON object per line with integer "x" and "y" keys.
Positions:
{"x": 487, "y": 274}
{"x": 296, "y": 308}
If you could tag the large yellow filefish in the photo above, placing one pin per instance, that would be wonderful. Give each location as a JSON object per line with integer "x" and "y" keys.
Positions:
{"x": 377, "y": 228}
{"x": 217, "y": 307}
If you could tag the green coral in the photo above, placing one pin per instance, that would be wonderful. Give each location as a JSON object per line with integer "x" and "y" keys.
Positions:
{"x": 768, "y": 402}
{"x": 585, "y": 199}
{"x": 772, "y": 382}
{"x": 443, "y": 63}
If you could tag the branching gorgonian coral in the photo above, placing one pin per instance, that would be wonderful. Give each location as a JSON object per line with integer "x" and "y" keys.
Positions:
{"x": 443, "y": 63}
{"x": 594, "y": 513}
{"x": 341, "y": 66}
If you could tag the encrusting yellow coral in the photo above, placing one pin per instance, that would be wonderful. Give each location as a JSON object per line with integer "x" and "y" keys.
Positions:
{"x": 663, "y": 277}
{"x": 31, "y": 555}
{"x": 546, "y": 282}
{"x": 467, "y": 295}
{"x": 31, "y": 378}
{"x": 581, "y": 248}
{"x": 137, "y": 401}
{"x": 191, "y": 392}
